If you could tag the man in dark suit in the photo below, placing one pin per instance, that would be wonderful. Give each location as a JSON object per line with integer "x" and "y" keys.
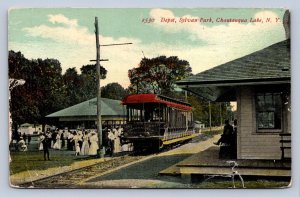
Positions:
{"x": 46, "y": 142}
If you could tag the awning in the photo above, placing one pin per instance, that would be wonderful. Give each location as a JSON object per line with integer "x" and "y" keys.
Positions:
{"x": 154, "y": 98}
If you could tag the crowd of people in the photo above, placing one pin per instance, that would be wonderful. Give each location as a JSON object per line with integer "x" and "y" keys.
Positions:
{"x": 83, "y": 142}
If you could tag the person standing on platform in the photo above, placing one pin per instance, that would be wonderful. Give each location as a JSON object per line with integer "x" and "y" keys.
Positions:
{"x": 69, "y": 138}
{"x": 226, "y": 137}
{"x": 57, "y": 144}
{"x": 41, "y": 138}
{"x": 29, "y": 139}
{"x": 24, "y": 137}
{"x": 111, "y": 137}
{"x": 117, "y": 141}
{"x": 85, "y": 144}
{"x": 94, "y": 144}
{"x": 46, "y": 142}
{"x": 62, "y": 138}
{"x": 79, "y": 138}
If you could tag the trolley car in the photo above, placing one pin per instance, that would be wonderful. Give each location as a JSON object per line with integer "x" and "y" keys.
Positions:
{"x": 155, "y": 120}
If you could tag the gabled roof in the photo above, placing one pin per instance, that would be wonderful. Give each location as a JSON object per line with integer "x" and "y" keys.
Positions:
{"x": 109, "y": 107}
{"x": 269, "y": 64}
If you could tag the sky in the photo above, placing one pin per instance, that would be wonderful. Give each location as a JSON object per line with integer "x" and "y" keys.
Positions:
{"x": 35, "y": 46}
{"x": 68, "y": 34}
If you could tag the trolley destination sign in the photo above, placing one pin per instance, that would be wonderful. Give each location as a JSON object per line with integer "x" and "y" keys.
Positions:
{"x": 149, "y": 98}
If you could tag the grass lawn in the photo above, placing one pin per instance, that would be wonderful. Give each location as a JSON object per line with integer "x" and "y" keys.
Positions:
{"x": 34, "y": 160}
{"x": 258, "y": 184}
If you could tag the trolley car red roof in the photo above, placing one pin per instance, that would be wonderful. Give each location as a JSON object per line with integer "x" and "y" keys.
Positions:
{"x": 154, "y": 98}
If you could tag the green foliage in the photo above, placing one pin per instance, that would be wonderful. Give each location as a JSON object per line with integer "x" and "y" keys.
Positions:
{"x": 90, "y": 81}
{"x": 40, "y": 95}
{"x": 219, "y": 111}
{"x": 199, "y": 108}
{"x": 158, "y": 75}
{"x": 113, "y": 91}
{"x": 46, "y": 90}
{"x": 259, "y": 183}
{"x": 72, "y": 83}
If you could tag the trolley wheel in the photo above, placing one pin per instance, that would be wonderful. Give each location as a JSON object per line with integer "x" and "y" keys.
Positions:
{"x": 137, "y": 147}
{"x": 158, "y": 145}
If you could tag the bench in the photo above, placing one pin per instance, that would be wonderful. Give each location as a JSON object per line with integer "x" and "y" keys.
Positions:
{"x": 285, "y": 144}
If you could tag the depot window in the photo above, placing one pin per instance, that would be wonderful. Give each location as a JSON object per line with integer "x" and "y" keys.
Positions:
{"x": 268, "y": 111}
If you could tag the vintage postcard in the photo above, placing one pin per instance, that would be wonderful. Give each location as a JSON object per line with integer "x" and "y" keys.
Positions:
{"x": 149, "y": 98}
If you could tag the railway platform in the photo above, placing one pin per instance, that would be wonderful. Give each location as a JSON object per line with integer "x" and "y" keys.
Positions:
{"x": 207, "y": 163}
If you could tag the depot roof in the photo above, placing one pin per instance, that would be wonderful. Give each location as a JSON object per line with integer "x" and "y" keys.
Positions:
{"x": 270, "y": 65}
{"x": 109, "y": 107}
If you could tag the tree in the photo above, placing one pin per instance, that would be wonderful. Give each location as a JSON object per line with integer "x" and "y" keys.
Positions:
{"x": 200, "y": 111}
{"x": 40, "y": 95}
{"x": 113, "y": 91}
{"x": 72, "y": 86}
{"x": 49, "y": 87}
{"x": 46, "y": 90}
{"x": 90, "y": 81}
{"x": 158, "y": 75}
{"x": 23, "y": 103}
{"x": 219, "y": 110}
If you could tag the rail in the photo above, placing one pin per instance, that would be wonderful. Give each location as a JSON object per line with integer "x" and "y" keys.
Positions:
{"x": 285, "y": 144}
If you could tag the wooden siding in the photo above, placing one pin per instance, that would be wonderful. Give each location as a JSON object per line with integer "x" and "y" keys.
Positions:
{"x": 253, "y": 145}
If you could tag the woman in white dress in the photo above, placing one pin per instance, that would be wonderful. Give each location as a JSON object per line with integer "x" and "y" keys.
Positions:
{"x": 41, "y": 139}
{"x": 94, "y": 144}
{"x": 57, "y": 144}
{"x": 85, "y": 144}
{"x": 117, "y": 142}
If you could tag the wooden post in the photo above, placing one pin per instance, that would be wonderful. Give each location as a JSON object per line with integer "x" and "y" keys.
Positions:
{"x": 209, "y": 111}
{"x": 221, "y": 119}
{"x": 99, "y": 121}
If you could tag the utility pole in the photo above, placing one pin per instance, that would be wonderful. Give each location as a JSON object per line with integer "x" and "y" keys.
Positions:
{"x": 99, "y": 121}
{"x": 221, "y": 119}
{"x": 209, "y": 111}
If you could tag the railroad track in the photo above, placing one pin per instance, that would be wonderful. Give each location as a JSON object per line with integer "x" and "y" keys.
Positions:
{"x": 71, "y": 178}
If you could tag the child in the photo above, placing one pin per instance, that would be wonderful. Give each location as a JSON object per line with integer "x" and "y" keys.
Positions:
{"x": 22, "y": 144}
{"x": 77, "y": 149}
